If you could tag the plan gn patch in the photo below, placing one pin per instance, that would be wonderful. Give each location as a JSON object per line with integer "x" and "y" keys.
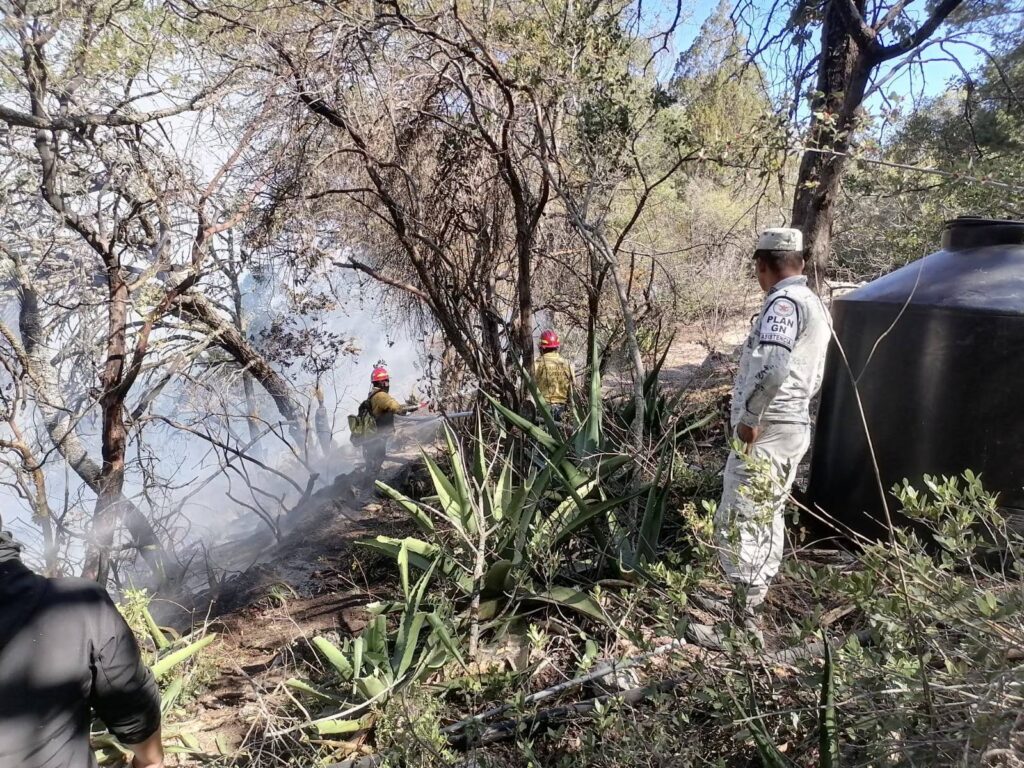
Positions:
{"x": 780, "y": 323}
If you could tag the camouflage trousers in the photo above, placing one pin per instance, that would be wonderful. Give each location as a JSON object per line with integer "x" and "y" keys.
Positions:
{"x": 749, "y": 524}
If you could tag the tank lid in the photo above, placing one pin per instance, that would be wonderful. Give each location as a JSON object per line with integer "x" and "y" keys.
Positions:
{"x": 979, "y": 269}
{"x": 977, "y": 232}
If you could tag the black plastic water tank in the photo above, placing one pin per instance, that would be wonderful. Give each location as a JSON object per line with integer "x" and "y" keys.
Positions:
{"x": 937, "y": 351}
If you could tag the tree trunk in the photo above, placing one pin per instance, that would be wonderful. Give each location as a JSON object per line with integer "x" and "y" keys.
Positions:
{"x": 842, "y": 81}
{"x": 110, "y": 507}
{"x": 114, "y": 434}
{"x": 525, "y": 299}
{"x": 633, "y": 348}
{"x": 252, "y": 414}
{"x": 59, "y": 424}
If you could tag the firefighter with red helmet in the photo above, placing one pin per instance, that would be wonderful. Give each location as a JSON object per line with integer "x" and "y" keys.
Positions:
{"x": 383, "y": 407}
{"x": 554, "y": 374}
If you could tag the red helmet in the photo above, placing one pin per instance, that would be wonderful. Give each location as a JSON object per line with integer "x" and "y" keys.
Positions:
{"x": 549, "y": 340}
{"x": 380, "y": 374}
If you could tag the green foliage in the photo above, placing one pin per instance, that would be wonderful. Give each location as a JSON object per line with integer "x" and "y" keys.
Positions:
{"x": 408, "y": 731}
{"x": 163, "y": 650}
{"x": 370, "y": 668}
{"x": 973, "y": 134}
{"x": 940, "y": 622}
{"x": 720, "y": 101}
{"x": 167, "y": 663}
{"x": 661, "y": 408}
{"x": 828, "y": 725}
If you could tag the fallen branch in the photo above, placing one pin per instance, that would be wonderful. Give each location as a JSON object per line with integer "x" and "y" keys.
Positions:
{"x": 602, "y": 670}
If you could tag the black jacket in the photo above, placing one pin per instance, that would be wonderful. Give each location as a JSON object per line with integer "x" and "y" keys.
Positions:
{"x": 64, "y": 649}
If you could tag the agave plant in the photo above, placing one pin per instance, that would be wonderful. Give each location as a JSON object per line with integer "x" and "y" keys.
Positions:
{"x": 487, "y": 526}
{"x": 631, "y": 534}
{"x": 369, "y": 668}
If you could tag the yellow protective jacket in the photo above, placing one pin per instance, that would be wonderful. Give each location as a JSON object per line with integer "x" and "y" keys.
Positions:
{"x": 384, "y": 407}
{"x": 554, "y": 377}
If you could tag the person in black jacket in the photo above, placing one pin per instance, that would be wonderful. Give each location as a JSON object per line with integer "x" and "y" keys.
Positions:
{"x": 65, "y": 651}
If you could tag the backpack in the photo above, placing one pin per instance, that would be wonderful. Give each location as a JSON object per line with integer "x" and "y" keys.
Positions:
{"x": 363, "y": 425}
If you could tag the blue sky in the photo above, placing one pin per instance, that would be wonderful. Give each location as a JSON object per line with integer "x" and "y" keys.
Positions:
{"x": 931, "y": 78}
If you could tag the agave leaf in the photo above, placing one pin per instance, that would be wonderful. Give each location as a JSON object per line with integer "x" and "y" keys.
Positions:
{"x": 169, "y": 662}
{"x": 557, "y": 467}
{"x": 183, "y": 749}
{"x": 376, "y": 638}
{"x": 628, "y": 561}
{"x": 461, "y": 482}
{"x": 403, "y": 568}
{"x": 162, "y": 643}
{"x": 382, "y": 608}
{"x": 447, "y": 496}
{"x": 503, "y": 491}
{"x": 539, "y": 434}
{"x": 496, "y": 580}
{"x": 420, "y": 554}
{"x": 357, "y": 656}
{"x": 548, "y": 529}
{"x": 588, "y": 512}
{"x": 440, "y": 631}
{"x": 563, "y": 508}
{"x": 491, "y": 608}
{"x": 222, "y": 745}
{"x": 416, "y": 597}
{"x": 573, "y": 599}
{"x": 518, "y": 516}
{"x": 610, "y": 464}
{"x": 423, "y": 520}
{"x": 370, "y": 687}
{"x": 828, "y": 729}
{"x": 106, "y": 741}
{"x": 592, "y": 432}
{"x": 334, "y": 655}
{"x": 699, "y": 424}
{"x": 190, "y": 741}
{"x": 170, "y": 695}
{"x": 338, "y": 727}
{"x": 405, "y": 642}
{"x": 303, "y": 687}
{"x": 771, "y": 757}
{"x": 654, "y": 509}
{"x": 570, "y": 472}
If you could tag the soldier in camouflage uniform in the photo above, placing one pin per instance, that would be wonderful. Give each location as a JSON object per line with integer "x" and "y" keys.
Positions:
{"x": 780, "y": 371}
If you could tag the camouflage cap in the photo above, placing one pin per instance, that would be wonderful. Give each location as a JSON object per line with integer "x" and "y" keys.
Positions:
{"x": 781, "y": 239}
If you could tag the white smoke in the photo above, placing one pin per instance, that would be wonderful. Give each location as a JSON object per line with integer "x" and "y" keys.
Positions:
{"x": 205, "y": 503}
